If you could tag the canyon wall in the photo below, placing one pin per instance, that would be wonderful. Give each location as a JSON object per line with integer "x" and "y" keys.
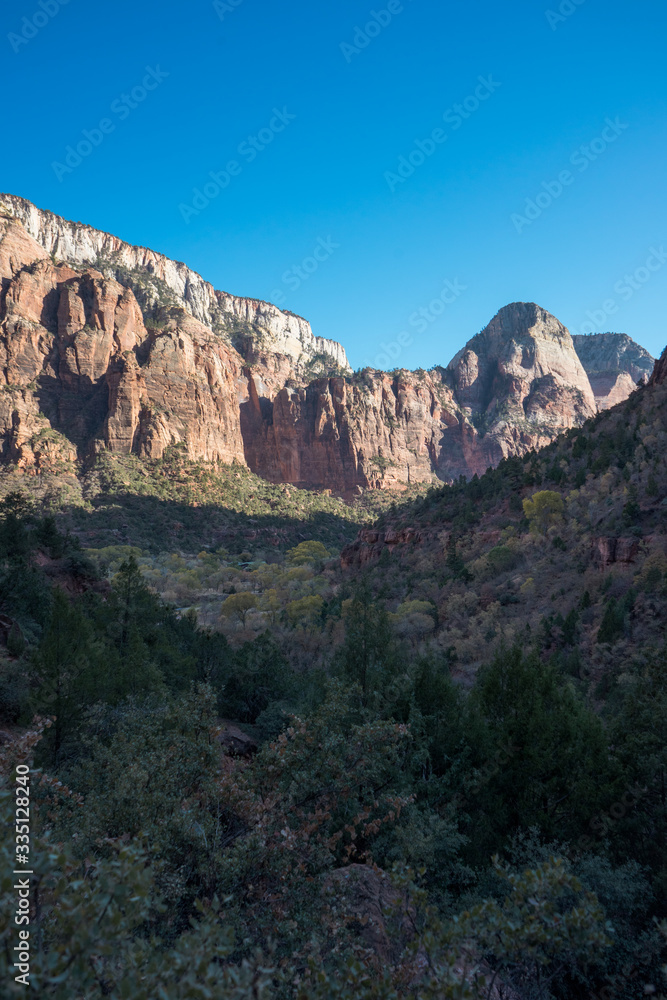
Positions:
{"x": 157, "y": 280}
{"x": 81, "y": 372}
{"x": 89, "y": 364}
{"x": 513, "y": 388}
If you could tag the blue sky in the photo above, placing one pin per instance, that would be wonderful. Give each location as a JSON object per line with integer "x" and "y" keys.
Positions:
{"x": 409, "y": 267}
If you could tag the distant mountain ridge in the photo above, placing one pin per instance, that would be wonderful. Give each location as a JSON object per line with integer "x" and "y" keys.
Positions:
{"x": 614, "y": 364}
{"x": 108, "y": 346}
{"x": 613, "y": 352}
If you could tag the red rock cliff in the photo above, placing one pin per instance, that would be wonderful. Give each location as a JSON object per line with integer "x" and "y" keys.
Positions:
{"x": 77, "y": 360}
{"x": 85, "y": 369}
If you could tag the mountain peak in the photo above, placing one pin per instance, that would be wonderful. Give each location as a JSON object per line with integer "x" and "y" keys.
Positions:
{"x": 516, "y": 316}
{"x": 523, "y": 351}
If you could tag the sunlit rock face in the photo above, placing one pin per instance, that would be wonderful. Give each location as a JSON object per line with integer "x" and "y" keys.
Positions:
{"x": 77, "y": 360}
{"x": 108, "y": 346}
{"x": 614, "y": 364}
{"x": 249, "y": 323}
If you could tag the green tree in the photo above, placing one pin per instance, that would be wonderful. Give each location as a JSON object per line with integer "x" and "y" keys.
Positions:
{"x": 640, "y": 737}
{"x": 543, "y": 510}
{"x": 66, "y": 673}
{"x": 546, "y": 928}
{"x": 307, "y": 552}
{"x": 632, "y": 510}
{"x": 614, "y": 618}
{"x": 257, "y": 676}
{"x": 547, "y": 932}
{"x": 88, "y": 933}
{"x": 16, "y": 518}
{"x": 136, "y": 626}
{"x": 239, "y": 606}
{"x": 148, "y": 771}
{"x": 368, "y": 653}
{"x": 443, "y": 718}
{"x": 454, "y": 561}
{"x": 306, "y": 610}
{"x": 557, "y": 769}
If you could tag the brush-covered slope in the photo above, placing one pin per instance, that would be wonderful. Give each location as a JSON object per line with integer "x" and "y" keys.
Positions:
{"x": 582, "y": 570}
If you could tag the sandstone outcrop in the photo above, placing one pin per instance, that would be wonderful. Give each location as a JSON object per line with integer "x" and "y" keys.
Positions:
{"x": 157, "y": 280}
{"x": 370, "y": 543}
{"x": 523, "y": 368}
{"x": 87, "y": 364}
{"x": 234, "y": 741}
{"x": 616, "y": 352}
{"x": 81, "y": 371}
{"x": 611, "y": 388}
{"x": 376, "y": 430}
{"x": 614, "y": 364}
{"x": 607, "y": 551}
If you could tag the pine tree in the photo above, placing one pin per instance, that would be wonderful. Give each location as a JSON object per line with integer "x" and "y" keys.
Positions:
{"x": 368, "y": 652}
{"x": 557, "y": 762}
{"x": 64, "y": 673}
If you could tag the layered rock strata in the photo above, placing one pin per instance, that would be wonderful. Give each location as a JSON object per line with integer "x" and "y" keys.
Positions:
{"x": 81, "y": 371}
{"x": 85, "y": 367}
{"x": 157, "y": 280}
{"x": 614, "y": 364}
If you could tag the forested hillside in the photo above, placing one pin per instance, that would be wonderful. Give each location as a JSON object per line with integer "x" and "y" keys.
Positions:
{"x": 273, "y": 761}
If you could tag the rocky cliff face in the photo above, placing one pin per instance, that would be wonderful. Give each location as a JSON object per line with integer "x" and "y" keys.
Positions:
{"x": 614, "y": 364}
{"x": 88, "y": 364}
{"x": 513, "y": 388}
{"x": 660, "y": 372}
{"x": 522, "y": 373}
{"x": 82, "y": 372}
{"x": 375, "y": 430}
{"x": 249, "y": 324}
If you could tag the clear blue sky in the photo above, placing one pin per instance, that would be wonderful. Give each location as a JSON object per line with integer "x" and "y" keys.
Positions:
{"x": 324, "y": 176}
